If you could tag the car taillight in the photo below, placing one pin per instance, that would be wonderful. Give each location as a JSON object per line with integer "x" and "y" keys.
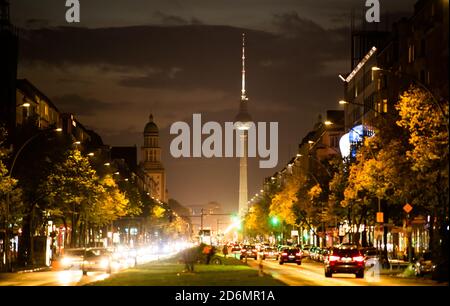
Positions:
{"x": 284, "y": 254}
{"x": 298, "y": 254}
{"x": 358, "y": 258}
{"x": 334, "y": 258}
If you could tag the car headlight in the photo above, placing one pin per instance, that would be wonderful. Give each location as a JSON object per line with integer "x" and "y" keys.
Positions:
{"x": 66, "y": 261}
{"x": 104, "y": 263}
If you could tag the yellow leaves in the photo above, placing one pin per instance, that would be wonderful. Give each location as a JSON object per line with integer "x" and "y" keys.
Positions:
{"x": 158, "y": 211}
{"x": 426, "y": 120}
{"x": 315, "y": 192}
{"x": 283, "y": 203}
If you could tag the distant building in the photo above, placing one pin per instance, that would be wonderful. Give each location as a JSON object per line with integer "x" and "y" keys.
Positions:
{"x": 151, "y": 169}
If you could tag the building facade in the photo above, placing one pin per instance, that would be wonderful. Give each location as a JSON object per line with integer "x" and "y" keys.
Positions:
{"x": 151, "y": 167}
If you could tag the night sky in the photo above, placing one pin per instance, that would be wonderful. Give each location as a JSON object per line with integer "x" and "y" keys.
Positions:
{"x": 175, "y": 58}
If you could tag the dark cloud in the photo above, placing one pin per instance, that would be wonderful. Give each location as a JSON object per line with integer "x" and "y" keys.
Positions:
{"x": 173, "y": 20}
{"x": 37, "y": 23}
{"x": 83, "y": 106}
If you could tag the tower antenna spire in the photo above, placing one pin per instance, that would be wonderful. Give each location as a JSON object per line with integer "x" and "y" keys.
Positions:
{"x": 243, "y": 93}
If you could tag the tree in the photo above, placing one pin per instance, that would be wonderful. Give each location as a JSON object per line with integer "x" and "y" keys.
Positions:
{"x": 283, "y": 202}
{"x": 9, "y": 190}
{"x": 72, "y": 188}
{"x": 426, "y": 121}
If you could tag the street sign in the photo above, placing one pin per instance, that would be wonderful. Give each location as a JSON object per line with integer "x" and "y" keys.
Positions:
{"x": 380, "y": 217}
{"x": 407, "y": 208}
{"x": 294, "y": 233}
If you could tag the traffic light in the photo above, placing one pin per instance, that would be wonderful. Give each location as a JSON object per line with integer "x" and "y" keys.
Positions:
{"x": 274, "y": 220}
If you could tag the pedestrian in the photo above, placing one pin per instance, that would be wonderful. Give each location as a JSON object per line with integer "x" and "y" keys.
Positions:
{"x": 260, "y": 265}
{"x": 211, "y": 253}
{"x": 225, "y": 251}
{"x": 189, "y": 257}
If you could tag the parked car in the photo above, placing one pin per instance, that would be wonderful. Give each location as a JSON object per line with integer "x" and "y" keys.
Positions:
{"x": 290, "y": 254}
{"x": 345, "y": 259}
{"x": 371, "y": 256}
{"x": 269, "y": 253}
{"x": 306, "y": 250}
{"x": 314, "y": 253}
{"x": 97, "y": 259}
{"x": 249, "y": 251}
{"x": 424, "y": 265}
{"x": 323, "y": 255}
{"x": 72, "y": 258}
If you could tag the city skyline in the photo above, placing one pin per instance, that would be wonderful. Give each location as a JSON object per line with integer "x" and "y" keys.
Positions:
{"x": 96, "y": 83}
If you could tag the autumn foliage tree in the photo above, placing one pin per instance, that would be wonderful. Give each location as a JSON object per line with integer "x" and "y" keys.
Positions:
{"x": 426, "y": 120}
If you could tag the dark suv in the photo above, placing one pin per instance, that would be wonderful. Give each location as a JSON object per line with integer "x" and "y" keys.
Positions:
{"x": 290, "y": 255}
{"x": 346, "y": 259}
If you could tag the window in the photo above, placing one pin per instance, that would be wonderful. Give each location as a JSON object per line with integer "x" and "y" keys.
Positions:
{"x": 411, "y": 55}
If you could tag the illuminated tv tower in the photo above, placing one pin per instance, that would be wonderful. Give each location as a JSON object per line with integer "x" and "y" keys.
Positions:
{"x": 243, "y": 123}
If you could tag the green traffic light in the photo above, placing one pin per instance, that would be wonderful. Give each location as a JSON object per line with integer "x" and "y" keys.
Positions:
{"x": 274, "y": 220}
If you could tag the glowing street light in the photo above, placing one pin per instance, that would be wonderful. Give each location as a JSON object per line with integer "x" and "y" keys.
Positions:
{"x": 328, "y": 122}
{"x": 343, "y": 102}
{"x": 58, "y": 130}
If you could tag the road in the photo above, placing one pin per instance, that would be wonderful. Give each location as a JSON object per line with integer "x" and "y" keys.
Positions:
{"x": 72, "y": 277}
{"x": 51, "y": 278}
{"x": 311, "y": 273}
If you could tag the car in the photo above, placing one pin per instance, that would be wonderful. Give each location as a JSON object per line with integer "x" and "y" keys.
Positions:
{"x": 424, "y": 265}
{"x": 72, "y": 258}
{"x": 314, "y": 253}
{"x": 269, "y": 253}
{"x": 306, "y": 250}
{"x": 97, "y": 259}
{"x": 371, "y": 256}
{"x": 249, "y": 251}
{"x": 235, "y": 249}
{"x": 345, "y": 259}
{"x": 290, "y": 254}
{"x": 324, "y": 254}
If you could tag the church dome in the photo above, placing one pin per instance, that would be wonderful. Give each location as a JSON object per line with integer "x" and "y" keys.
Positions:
{"x": 151, "y": 127}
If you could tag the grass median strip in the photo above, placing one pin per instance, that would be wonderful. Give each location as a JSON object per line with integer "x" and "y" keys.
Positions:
{"x": 170, "y": 273}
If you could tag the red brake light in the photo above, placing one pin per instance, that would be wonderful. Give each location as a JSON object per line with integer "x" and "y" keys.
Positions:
{"x": 284, "y": 254}
{"x": 358, "y": 258}
{"x": 298, "y": 254}
{"x": 334, "y": 258}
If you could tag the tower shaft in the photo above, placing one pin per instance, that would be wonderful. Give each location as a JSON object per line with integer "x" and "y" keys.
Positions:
{"x": 243, "y": 190}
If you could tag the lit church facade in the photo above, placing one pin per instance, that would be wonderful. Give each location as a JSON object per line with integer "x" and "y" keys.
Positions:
{"x": 150, "y": 168}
